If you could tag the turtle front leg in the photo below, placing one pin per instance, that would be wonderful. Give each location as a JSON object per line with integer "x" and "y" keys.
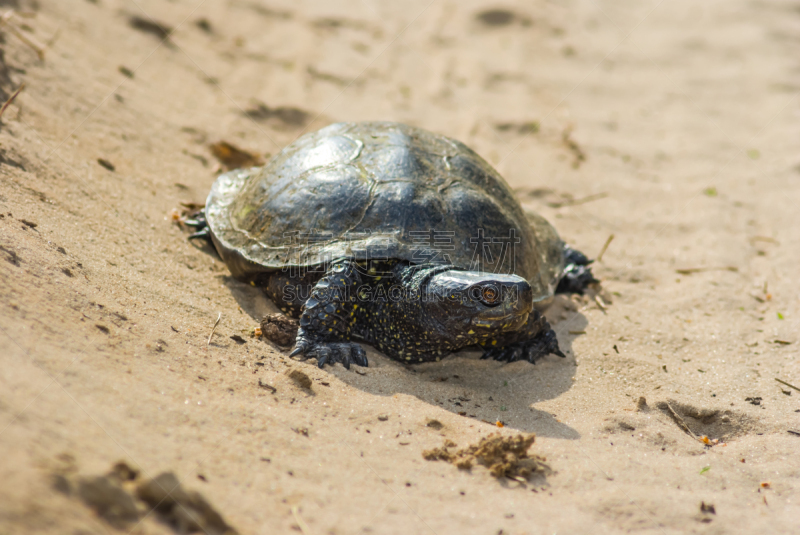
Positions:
{"x": 535, "y": 340}
{"x": 326, "y": 323}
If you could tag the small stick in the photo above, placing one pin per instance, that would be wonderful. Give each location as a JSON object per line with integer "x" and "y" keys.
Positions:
{"x": 576, "y": 202}
{"x": 25, "y": 14}
{"x": 605, "y": 246}
{"x": 214, "y": 328}
{"x": 689, "y": 271}
{"x": 792, "y": 431}
{"x": 679, "y": 421}
{"x": 300, "y": 522}
{"x": 267, "y": 386}
{"x": 764, "y": 238}
{"x": 11, "y": 98}
{"x": 600, "y": 303}
{"x": 787, "y": 384}
{"x": 30, "y": 41}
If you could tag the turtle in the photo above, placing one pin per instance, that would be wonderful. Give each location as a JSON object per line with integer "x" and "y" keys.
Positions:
{"x": 388, "y": 234}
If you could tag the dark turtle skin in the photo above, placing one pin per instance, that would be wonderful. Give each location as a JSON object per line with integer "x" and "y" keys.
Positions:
{"x": 388, "y": 234}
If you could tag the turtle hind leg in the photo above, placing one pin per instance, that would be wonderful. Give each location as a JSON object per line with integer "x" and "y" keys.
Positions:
{"x": 204, "y": 234}
{"x": 290, "y": 288}
{"x": 199, "y": 223}
{"x": 577, "y": 273}
{"x": 534, "y": 341}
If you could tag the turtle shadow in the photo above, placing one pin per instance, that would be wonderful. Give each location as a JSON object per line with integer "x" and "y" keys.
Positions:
{"x": 462, "y": 383}
{"x": 252, "y": 300}
{"x": 481, "y": 390}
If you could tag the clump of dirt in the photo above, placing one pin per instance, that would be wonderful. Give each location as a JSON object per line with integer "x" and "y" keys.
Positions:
{"x": 504, "y": 456}
{"x": 300, "y": 379}
{"x": 121, "y": 498}
{"x": 279, "y": 329}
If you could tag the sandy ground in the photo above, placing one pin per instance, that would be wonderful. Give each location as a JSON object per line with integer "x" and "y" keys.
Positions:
{"x": 672, "y": 125}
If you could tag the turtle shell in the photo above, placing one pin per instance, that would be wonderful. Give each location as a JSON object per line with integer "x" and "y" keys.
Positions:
{"x": 379, "y": 190}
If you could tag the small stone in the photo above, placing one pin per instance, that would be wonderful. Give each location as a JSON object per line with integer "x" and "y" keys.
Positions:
{"x": 434, "y": 424}
{"x": 300, "y": 379}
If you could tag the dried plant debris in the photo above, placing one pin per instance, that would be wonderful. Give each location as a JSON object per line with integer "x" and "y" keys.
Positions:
{"x": 232, "y": 157}
{"x": 503, "y": 456}
{"x": 8, "y": 102}
{"x": 148, "y": 25}
{"x": 8, "y": 22}
{"x": 521, "y": 128}
{"x": 107, "y": 164}
{"x": 205, "y": 25}
{"x": 279, "y": 329}
{"x": 569, "y": 200}
{"x": 285, "y": 115}
{"x": 577, "y": 152}
{"x": 496, "y": 18}
{"x": 121, "y": 498}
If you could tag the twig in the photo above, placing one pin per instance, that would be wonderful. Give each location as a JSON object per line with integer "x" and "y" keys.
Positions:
{"x": 678, "y": 420}
{"x": 787, "y": 384}
{"x": 605, "y": 246}
{"x": 268, "y": 386}
{"x": 30, "y": 41}
{"x": 792, "y": 431}
{"x": 572, "y": 145}
{"x": 8, "y": 102}
{"x": 50, "y": 42}
{"x": 214, "y": 328}
{"x": 689, "y": 271}
{"x": 599, "y": 302}
{"x": 300, "y": 522}
{"x": 574, "y": 202}
{"x": 754, "y": 239}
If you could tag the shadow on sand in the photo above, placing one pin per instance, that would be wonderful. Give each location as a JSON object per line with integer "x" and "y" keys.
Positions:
{"x": 462, "y": 383}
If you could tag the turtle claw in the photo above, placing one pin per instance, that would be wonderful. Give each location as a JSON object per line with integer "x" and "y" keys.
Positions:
{"x": 299, "y": 349}
{"x": 198, "y": 220}
{"x": 345, "y": 353}
{"x": 531, "y": 349}
{"x": 201, "y": 234}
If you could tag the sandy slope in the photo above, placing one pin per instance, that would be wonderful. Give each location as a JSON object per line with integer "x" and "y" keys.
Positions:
{"x": 686, "y": 115}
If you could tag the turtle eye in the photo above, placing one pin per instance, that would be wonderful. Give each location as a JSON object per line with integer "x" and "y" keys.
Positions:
{"x": 490, "y": 295}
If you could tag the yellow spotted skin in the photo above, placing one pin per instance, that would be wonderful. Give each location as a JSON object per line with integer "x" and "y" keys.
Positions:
{"x": 380, "y": 303}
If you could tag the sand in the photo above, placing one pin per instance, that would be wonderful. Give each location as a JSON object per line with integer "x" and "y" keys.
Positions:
{"x": 671, "y": 125}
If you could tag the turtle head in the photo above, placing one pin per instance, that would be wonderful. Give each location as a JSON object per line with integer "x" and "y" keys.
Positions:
{"x": 472, "y": 305}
